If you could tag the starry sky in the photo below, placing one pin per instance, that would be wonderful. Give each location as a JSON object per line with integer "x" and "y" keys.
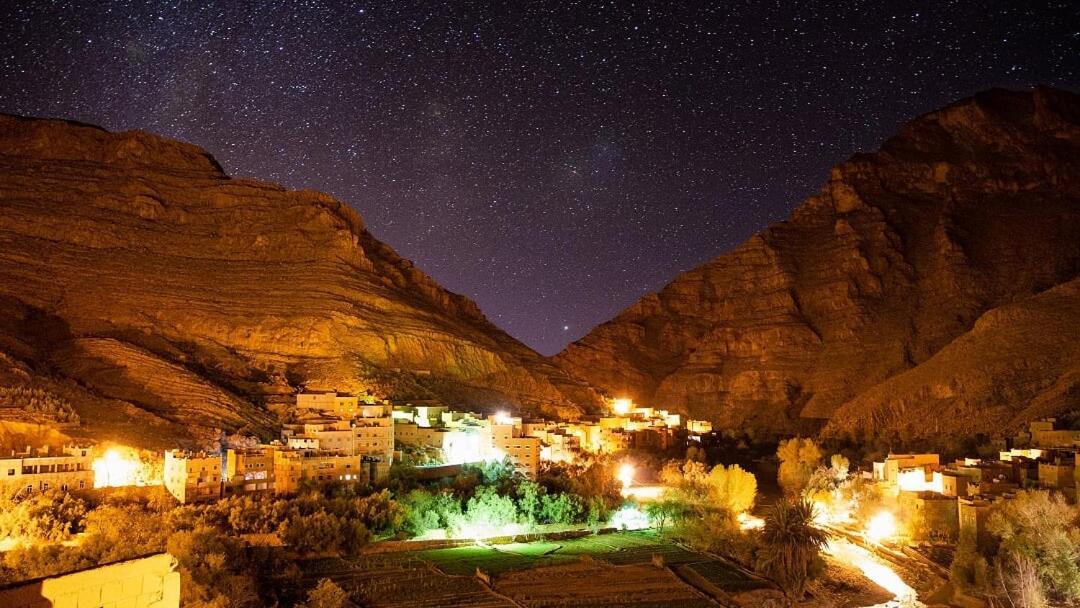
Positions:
{"x": 553, "y": 161}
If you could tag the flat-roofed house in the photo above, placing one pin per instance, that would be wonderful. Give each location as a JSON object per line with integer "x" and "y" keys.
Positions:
{"x": 192, "y": 476}
{"x": 70, "y": 468}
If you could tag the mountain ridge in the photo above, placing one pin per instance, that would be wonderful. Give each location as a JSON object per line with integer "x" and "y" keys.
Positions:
{"x": 146, "y": 257}
{"x": 966, "y": 208}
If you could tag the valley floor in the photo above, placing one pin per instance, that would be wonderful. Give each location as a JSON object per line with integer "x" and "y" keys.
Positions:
{"x": 631, "y": 569}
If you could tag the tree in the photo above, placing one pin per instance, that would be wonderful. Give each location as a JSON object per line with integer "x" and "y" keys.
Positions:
{"x": 1039, "y": 536}
{"x": 560, "y": 508}
{"x": 327, "y": 594}
{"x": 798, "y": 459}
{"x": 318, "y": 532}
{"x": 791, "y": 546}
{"x": 487, "y": 513}
{"x": 529, "y": 498}
{"x": 731, "y": 488}
{"x": 665, "y": 511}
{"x": 48, "y": 516}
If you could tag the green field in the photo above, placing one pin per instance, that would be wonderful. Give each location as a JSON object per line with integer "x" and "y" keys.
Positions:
{"x": 620, "y": 549}
{"x": 606, "y": 569}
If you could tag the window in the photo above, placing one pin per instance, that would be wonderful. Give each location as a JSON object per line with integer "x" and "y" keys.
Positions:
{"x": 10, "y": 472}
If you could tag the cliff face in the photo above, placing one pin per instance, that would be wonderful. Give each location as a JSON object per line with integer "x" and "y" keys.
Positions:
{"x": 198, "y": 300}
{"x": 1020, "y": 362}
{"x": 967, "y": 208}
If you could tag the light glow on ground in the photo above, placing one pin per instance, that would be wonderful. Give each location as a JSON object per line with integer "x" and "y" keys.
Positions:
{"x": 881, "y": 527}
{"x": 630, "y": 518}
{"x": 750, "y": 522}
{"x": 874, "y": 569}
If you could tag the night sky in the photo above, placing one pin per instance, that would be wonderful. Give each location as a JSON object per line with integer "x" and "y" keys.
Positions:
{"x": 553, "y": 161}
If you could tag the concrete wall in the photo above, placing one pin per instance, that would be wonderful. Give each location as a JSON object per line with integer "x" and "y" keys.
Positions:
{"x": 149, "y": 582}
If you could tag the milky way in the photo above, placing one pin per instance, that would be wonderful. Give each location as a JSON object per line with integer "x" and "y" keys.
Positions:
{"x": 552, "y": 161}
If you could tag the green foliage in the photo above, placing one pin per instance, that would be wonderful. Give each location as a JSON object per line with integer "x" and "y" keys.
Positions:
{"x": 790, "y": 546}
{"x": 666, "y": 511}
{"x": 46, "y": 516}
{"x": 212, "y": 569}
{"x": 529, "y": 496}
{"x": 724, "y": 488}
{"x": 798, "y": 459}
{"x": 969, "y": 571}
{"x": 326, "y": 594}
{"x": 1040, "y": 531}
{"x": 560, "y": 509}
{"x": 487, "y": 511}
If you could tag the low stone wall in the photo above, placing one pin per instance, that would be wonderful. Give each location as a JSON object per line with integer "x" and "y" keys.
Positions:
{"x": 148, "y": 582}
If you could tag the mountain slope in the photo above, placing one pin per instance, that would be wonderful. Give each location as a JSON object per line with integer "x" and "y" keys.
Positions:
{"x": 1020, "y": 362}
{"x": 967, "y": 208}
{"x": 201, "y": 300}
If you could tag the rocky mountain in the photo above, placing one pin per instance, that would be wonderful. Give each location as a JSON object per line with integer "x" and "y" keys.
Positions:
{"x": 864, "y": 307}
{"x": 157, "y": 297}
{"x": 1020, "y": 362}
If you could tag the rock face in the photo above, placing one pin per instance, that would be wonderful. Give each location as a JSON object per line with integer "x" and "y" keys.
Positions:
{"x": 968, "y": 208}
{"x": 1019, "y": 362}
{"x": 135, "y": 274}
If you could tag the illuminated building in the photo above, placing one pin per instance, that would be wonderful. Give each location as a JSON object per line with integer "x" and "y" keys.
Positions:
{"x": 954, "y": 483}
{"x": 249, "y": 470}
{"x": 40, "y": 470}
{"x": 889, "y": 470}
{"x": 972, "y": 514}
{"x": 192, "y": 476}
{"x": 1059, "y": 474}
{"x": 349, "y": 426}
{"x": 935, "y": 514}
{"x": 294, "y": 467}
{"x": 698, "y": 427}
{"x": 341, "y": 406}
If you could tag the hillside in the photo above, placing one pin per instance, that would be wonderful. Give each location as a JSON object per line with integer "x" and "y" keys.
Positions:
{"x": 160, "y": 298}
{"x": 1019, "y": 362}
{"x": 966, "y": 209}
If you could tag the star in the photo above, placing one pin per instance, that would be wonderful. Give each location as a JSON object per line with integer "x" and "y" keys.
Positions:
{"x": 546, "y": 161}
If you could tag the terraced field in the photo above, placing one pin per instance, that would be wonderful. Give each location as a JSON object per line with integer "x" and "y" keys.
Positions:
{"x": 402, "y": 581}
{"x": 594, "y": 583}
{"x": 616, "y": 569}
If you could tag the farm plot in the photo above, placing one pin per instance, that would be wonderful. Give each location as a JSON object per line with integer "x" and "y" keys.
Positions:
{"x": 626, "y": 548}
{"x": 726, "y": 576}
{"x": 495, "y": 560}
{"x": 400, "y": 581}
{"x": 593, "y": 583}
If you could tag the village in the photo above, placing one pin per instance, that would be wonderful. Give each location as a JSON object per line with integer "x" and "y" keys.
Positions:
{"x": 346, "y": 439}
{"x": 351, "y": 439}
{"x": 882, "y": 518}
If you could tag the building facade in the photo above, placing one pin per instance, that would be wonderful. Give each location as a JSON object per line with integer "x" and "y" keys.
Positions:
{"x": 71, "y": 468}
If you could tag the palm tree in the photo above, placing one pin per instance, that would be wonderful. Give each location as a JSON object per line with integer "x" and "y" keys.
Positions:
{"x": 790, "y": 546}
